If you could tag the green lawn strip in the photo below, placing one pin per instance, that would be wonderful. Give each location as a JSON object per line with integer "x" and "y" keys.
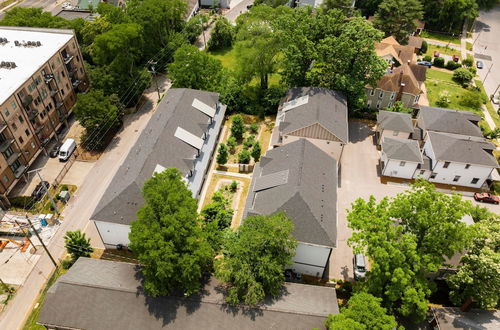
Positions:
{"x": 227, "y": 56}
{"x": 443, "y": 50}
{"x": 440, "y": 75}
{"x": 468, "y": 46}
{"x": 489, "y": 106}
{"x": 440, "y": 37}
{"x": 33, "y": 317}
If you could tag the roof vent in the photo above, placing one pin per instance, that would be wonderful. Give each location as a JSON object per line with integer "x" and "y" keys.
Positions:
{"x": 17, "y": 43}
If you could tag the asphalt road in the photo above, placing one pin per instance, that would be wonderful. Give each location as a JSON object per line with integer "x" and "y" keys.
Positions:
{"x": 487, "y": 43}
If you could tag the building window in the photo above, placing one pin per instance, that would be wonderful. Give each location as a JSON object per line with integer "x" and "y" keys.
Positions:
{"x": 62, "y": 92}
{"x": 62, "y": 73}
{"x": 389, "y": 105}
{"x": 21, "y": 140}
{"x": 27, "y": 131}
{"x": 378, "y": 105}
{"x": 372, "y": 92}
{"x": 467, "y": 166}
{"x": 474, "y": 181}
{"x": 78, "y": 60}
{"x": 5, "y": 179}
{"x": 81, "y": 69}
{"x": 417, "y": 98}
{"x": 13, "y": 105}
{"x": 6, "y": 112}
{"x": 15, "y": 165}
{"x": 21, "y": 119}
{"x": 393, "y": 95}
{"x": 14, "y": 127}
{"x": 422, "y": 172}
{"x": 402, "y": 163}
{"x": 33, "y": 145}
{"x": 381, "y": 94}
{"x": 395, "y": 133}
{"x": 8, "y": 152}
{"x": 433, "y": 175}
{"x": 369, "y": 103}
{"x": 456, "y": 178}
{"x": 446, "y": 164}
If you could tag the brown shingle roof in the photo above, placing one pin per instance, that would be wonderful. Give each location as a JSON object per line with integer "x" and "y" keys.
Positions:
{"x": 403, "y": 74}
{"x": 419, "y": 71}
{"x": 415, "y": 42}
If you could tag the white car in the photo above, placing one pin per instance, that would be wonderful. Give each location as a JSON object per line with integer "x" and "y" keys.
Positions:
{"x": 66, "y": 5}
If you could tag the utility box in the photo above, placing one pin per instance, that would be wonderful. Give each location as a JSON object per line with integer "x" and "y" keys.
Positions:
{"x": 64, "y": 196}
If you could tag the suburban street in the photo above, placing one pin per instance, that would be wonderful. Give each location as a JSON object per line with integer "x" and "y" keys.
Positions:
{"x": 78, "y": 211}
{"x": 487, "y": 30}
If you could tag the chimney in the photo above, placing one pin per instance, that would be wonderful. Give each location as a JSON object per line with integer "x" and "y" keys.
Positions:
{"x": 401, "y": 86}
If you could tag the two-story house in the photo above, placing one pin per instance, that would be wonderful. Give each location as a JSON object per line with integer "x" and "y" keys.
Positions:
{"x": 393, "y": 124}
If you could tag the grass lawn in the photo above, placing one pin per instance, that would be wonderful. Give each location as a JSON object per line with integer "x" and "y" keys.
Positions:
{"x": 468, "y": 46}
{"x": 442, "y": 50}
{"x": 33, "y": 317}
{"x": 227, "y": 57}
{"x": 489, "y": 106}
{"x": 440, "y": 37}
{"x": 439, "y": 82}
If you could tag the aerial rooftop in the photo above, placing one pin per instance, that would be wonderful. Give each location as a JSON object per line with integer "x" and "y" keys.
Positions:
{"x": 449, "y": 121}
{"x": 28, "y": 59}
{"x": 395, "y": 121}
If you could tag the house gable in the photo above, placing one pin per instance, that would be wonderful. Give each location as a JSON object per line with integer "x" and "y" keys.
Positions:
{"x": 315, "y": 131}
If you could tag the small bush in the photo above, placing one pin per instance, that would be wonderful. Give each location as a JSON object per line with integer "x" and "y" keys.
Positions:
{"x": 231, "y": 144}
{"x": 469, "y": 61}
{"x": 244, "y": 157}
{"x": 462, "y": 76}
{"x": 439, "y": 62}
{"x": 64, "y": 187}
{"x": 471, "y": 99}
{"x": 443, "y": 100}
{"x": 428, "y": 58}
{"x": 233, "y": 186}
{"x": 472, "y": 70}
{"x": 424, "y": 48}
{"x": 237, "y": 127}
{"x": 222, "y": 155}
{"x": 254, "y": 128}
{"x": 22, "y": 201}
{"x": 249, "y": 142}
{"x": 67, "y": 263}
{"x": 452, "y": 65}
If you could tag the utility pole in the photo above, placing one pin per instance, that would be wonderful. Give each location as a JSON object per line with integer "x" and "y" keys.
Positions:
{"x": 54, "y": 205}
{"x": 26, "y": 235}
{"x": 153, "y": 71}
{"x": 43, "y": 244}
{"x": 487, "y": 73}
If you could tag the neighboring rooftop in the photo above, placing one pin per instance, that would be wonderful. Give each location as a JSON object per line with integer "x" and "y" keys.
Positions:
{"x": 415, "y": 42}
{"x": 451, "y": 318}
{"x": 449, "y": 121}
{"x": 100, "y": 294}
{"x": 402, "y": 149}
{"x": 70, "y": 14}
{"x": 307, "y": 106}
{"x": 299, "y": 179}
{"x": 462, "y": 149}
{"x": 28, "y": 59}
{"x": 401, "y": 79}
{"x": 395, "y": 121}
{"x": 180, "y": 134}
{"x": 87, "y": 4}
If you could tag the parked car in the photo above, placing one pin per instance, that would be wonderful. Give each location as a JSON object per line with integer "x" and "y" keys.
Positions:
{"x": 359, "y": 266}
{"x": 487, "y": 198}
{"x": 67, "y": 149}
{"x": 479, "y": 64}
{"x": 436, "y": 53}
{"x": 40, "y": 190}
{"x": 426, "y": 63}
{"x": 456, "y": 58}
{"x": 66, "y": 5}
{"x": 55, "y": 150}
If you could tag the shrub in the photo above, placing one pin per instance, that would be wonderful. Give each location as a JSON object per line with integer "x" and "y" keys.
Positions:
{"x": 443, "y": 100}
{"x": 244, "y": 157}
{"x": 439, "y": 62}
{"x": 469, "y": 61}
{"x": 452, "y": 65}
{"x": 22, "y": 201}
{"x": 472, "y": 70}
{"x": 231, "y": 144}
{"x": 67, "y": 263}
{"x": 471, "y": 99}
{"x": 233, "y": 186}
{"x": 222, "y": 34}
{"x": 462, "y": 76}
{"x": 64, "y": 187}
{"x": 237, "y": 127}
{"x": 223, "y": 155}
{"x": 254, "y": 128}
{"x": 249, "y": 142}
{"x": 256, "y": 151}
{"x": 428, "y": 58}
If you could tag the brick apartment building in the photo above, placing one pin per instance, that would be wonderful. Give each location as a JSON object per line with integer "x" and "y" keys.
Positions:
{"x": 41, "y": 70}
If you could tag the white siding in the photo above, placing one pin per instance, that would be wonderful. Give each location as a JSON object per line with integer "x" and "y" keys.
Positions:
{"x": 446, "y": 175}
{"x": 429, "y": 151}
{"x": 332, "y": 148}
{"x": 393, "y": 168}
{"x": 113, "y": 234}
{"x": 311, "y": 259}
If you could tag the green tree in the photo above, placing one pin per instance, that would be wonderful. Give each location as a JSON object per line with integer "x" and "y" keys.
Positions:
{"x": 255, "y": 257}
{"x": 462, "y": 76}
{"x": 218, "y": 211}
{"x": 77, "y": 245}
{"x": 471, "y": 99}
{"x": 231, "y": 144}
{"x": 347, "y": 62}
{"x": 244, "y": 157}
{"x": 406, "y": 238}
{"x": 271, "y": 3}
{"x": 222, "y": 34}
{"x": 363, "y": 311}
{"x": 193, "y": 28}
{"x": 195, "y": 69}
{"x": 33, "y": 17}
{"x": 478, "y": 277}
{"x": 237, "y": 127}
{"x": 98, "y": 114}
{"x": 222, "y": 155}
{"x": 398, "y": 17}
{"x": 344, "y": 5}
{"x": 256, "y": 150}
{"x": 167, "y": 237}
{"x": 398, "y": 106}
{"x": 92, "y": 29}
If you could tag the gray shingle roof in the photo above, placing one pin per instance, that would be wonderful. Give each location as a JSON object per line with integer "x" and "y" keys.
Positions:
{"x": 309, "y": 196}
{"x": 395, "y": 121}
{"x": 451, "y": 318}
{"x": 402, "y": 149}
{"x": 449, "y": 121}
{"x": 157, "y": 145}
{"x": 325, "y": 106}
{"x": 462, "y": 149}
{"x": 99, "y": 294}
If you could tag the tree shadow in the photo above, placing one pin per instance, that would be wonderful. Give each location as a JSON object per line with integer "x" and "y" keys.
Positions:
{"x": 359, "y": 131}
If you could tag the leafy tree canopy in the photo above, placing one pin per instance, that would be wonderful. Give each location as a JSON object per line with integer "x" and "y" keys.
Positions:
{"x": 255, "y": 257}
{"x": 363, "y": 312}
{"x": 398, "y": 106}
{"x": 406, "y": 238}
{"x": 167, "y": 237}
{"x": 398, "y": 17}
{"x": 222, "y": 34}
{"x": 77, "y": 245}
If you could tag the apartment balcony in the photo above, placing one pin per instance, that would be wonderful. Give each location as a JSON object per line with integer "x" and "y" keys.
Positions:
{"x": 3, "y": 126}
{"x": 26, "y": 100}
{"x": 48, "y": 78}
{"x": 59, "y": 105}
{"x": 6, "y": 144}
{"x": 32, "y": 114}
{"x": 76, "y": 83}
{"x": 38, "y": 128}
{"x": 53, "y": 93}
{"x": 67, "y": 58}
{"x": 20, "y": 171}
{"x": 12, "y": 158}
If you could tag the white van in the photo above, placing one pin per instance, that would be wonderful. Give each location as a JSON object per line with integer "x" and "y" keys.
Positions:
{"x": 67, "y": 149}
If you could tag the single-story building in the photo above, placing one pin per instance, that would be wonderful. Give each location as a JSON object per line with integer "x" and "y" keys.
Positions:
{"x": 100, "y": 294}
{"x": 315, "y": 113}
{"x": 182, "y": 133}
{"x": 301, "y": 180}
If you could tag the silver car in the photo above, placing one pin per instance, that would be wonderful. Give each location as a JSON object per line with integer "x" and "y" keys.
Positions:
{"x": 359, "y": 266}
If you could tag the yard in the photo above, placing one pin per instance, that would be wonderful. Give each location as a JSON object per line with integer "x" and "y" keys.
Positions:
{"x": 442, "y": 49}
{"x": 489, "y": 106}
{"x": 25, "y": 203}
{"x": 440, "y": 84}
{"x": 441, "y": 37}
